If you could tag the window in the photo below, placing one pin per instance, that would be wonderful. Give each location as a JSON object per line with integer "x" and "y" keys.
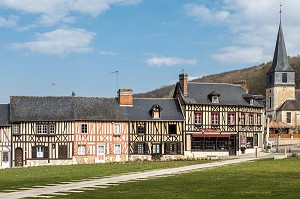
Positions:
{"x": 258, "y": 119}
{"x": 52, "y": 129}
{"x": 172, "y": 129}
{"x": 62, "y": 151}
{"x": 46, "y": 128}
{"x": 231, "y": 119}
{"x": 255, "y": 139}
{"x": 215, "y": 99}
{"x": 117, "y": 149}
{"x": 140, "y": 148}
{"x": 270, "y": 102}
{"x": 215, "y": 119}
{"x": 156, "y": 148}
{"x": 16, "y": 129}
{"x": 251, "y": 101}
{"x": 5, "y": 157}
{"x": 156, "y": 114}
{"x": 210, "y": 144}
{"x": 198, "y": 118}
{"x": 173, "y": 148}
{"x": 40, "y": 151}
{"x": 251, "y": 119}
{"x": 42, "y": 129}
{"x": 84, "y": 128}
{"x": 141, "y": 129}
{"x": 81, "y": 149}
{"x": 249, "y": 142}
{"x": 222, "y": 144}
{"x": 242, "y": 121}
{"x": 117, "y": 128}
{"x": 288, "y": 117}
{"x": 197, "y": 144}
{"x": 284, "y": 77}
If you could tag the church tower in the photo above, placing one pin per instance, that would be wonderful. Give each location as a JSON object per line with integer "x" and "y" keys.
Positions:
{"x": 280, "y": 78}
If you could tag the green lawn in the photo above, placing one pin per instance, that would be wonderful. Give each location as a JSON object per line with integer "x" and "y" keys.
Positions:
{"x": 14, "y": 178}
{"x": 260, "y": 179}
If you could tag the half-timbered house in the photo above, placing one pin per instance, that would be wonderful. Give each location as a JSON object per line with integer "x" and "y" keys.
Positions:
{"x": 101, "y": 130}
{"x": 155, "y": 129}
{"x": 220, "y": 119}
{"x": 5, "y": 136}
{"x": 42, "y": 130}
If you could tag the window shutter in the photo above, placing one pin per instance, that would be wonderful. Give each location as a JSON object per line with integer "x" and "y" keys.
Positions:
{"x": 167, "y": 148}
{"x": 178, "y": 148}
{"x": 146, "y": 148}
{"x": 33, "y": 150}
{"x": 135, "y": 148}
{"x": 46, "y": 151}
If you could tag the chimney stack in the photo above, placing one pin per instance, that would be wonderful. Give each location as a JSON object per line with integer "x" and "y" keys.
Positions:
{"x": 183, "y": 81}
{"x": 244, "y": 85}
{"x": 125, "y": 97}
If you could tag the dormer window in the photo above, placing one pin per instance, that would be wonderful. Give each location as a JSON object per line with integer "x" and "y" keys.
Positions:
{"x": 215, "y": 99}
{"x": 251, "y": 101}
{"x": 156, "y": 111}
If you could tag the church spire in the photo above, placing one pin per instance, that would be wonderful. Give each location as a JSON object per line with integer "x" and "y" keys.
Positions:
{"x": 280, "y": 59}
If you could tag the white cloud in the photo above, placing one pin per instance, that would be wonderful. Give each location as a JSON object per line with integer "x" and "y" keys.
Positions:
{"x": 108, "y": 53}
{"x": 59, "y": 42}
{"x": 253, "y": 25}
{"x": 238, "y": 55}
{"x": 53, "y": 11}
{"x": 202, "y": 14}
{"x": 169, "y": 61}
{"x": 10, "y": 22}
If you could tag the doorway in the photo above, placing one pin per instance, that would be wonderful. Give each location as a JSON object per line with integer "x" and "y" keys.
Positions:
{"x": 18, "y": 157}
{"x": 232, "y": 145}
{"x": 101, "y": 153}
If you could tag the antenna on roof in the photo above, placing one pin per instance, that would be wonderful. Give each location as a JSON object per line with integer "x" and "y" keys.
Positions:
{"x": 53, "y": 84}
{"x": 116, "y": 73}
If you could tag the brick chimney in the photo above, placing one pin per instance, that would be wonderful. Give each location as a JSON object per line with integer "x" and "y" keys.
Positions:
{"x": 183, "y": 80}
{"x": 125, "y": 97}
{"x": 244, "y": 85}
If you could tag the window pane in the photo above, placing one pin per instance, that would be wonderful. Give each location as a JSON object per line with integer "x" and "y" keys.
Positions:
{"x": 84, "y": 128}
{"x": 81, "y": 149}
{"x": 117, "y": 128}
{"x": 117, "y": 149}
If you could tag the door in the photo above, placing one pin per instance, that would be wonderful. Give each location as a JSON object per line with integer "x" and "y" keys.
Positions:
{"x": 101, "y": 153}
{"x": 5, "y": 159}
{"x": 232, "y": 145}
{"x": 19, "y": 157}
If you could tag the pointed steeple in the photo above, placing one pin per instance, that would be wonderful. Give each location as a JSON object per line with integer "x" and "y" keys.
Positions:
{"x": 280, "y": 59}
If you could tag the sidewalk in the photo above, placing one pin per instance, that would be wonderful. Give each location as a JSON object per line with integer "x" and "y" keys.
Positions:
{"x": 92, "y": 184}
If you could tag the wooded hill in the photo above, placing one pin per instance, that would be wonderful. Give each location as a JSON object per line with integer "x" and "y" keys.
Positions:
{"x": 255, "y": 77}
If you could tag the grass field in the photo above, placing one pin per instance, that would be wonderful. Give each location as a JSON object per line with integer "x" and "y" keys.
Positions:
{"x": 14, "y": 178}
{"x": 260, "y": 179}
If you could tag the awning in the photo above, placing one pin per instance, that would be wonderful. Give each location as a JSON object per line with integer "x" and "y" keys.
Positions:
{"x": 210, "y": 135}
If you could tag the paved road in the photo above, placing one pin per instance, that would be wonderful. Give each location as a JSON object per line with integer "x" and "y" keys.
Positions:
{"x": 91, "y": 184}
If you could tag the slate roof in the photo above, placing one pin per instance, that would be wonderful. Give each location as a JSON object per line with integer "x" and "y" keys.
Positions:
{"x": 140, "y": 111}
{"x": 25, "y": 108}
{"x": 280, "y": 60}
{"x": 98, "y": 109}
{"x": 230, "y": 94}
{"x": 89, "y": 108}
{"x": 291, "y": 105}
{"x": 4, "y": 115}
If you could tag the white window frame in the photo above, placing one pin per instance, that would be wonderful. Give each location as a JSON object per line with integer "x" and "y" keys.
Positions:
{"x": 42, "y": 129}
{"x": 215, "y": 119}
{"x": 81, "y": 149}
{"x": 117, "y": 128}
{"x": 231, "y": 118}
{"x": 198, "y": 117}
{"x": 16, "y": 129}
{"x": 117, "y": 149}
{"x": 156, "y": 148}
{"x": 215, "y": 99}
{"x": 52, "y": 128}
{"x": 40, "y": 152}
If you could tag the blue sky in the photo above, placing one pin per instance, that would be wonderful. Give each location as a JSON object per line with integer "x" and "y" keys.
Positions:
{"x": 79, "y": 43}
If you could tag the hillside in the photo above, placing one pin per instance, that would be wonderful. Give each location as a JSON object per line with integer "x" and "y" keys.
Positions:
{"x": 255, "y": 77}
